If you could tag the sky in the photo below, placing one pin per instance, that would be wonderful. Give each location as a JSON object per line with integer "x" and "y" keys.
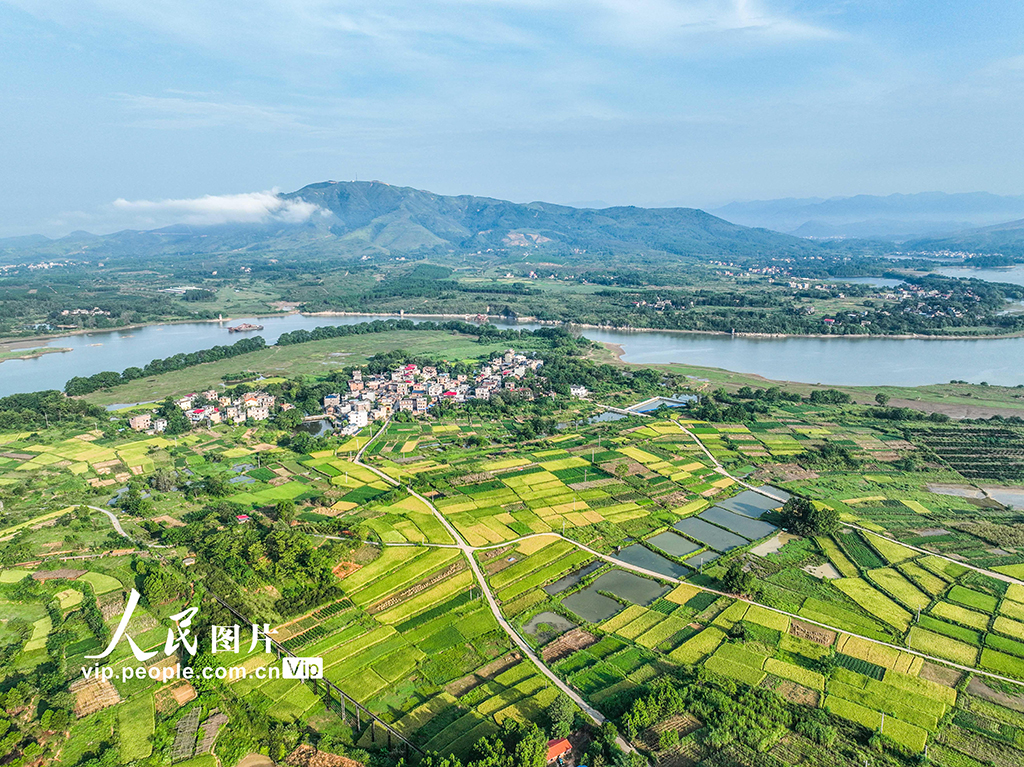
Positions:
{"x": 125, "y": 114}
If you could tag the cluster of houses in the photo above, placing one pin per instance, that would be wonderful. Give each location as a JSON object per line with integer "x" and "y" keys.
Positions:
{"x": 211, "y": 407}
{"x": 412, "y": 389}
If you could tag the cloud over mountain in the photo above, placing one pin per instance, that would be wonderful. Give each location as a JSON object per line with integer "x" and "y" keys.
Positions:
{"x": 208, "y": 210}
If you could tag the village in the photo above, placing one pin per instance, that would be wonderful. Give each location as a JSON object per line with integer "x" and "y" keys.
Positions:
{"x": 211, "y": 407}
{"x": 413, "y": 389}
{"x": 369, "y": 398}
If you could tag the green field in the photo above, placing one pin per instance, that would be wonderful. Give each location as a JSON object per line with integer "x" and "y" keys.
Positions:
{"x": 135, "y": 723}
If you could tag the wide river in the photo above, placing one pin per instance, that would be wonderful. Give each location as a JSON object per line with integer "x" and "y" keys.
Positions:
{"x": 850, "y": 361}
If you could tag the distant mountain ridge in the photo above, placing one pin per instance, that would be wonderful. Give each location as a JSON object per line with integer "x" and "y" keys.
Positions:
{"x": 891, "y": 217}
{"x": 1006, "y": 239}
{"x": 371, "y": 217}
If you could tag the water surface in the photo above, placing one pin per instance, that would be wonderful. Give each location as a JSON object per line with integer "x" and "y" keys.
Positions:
{"x": 863, "y": 361}
{"x": 737, "y": 523}
{"x": 591, "y": 606}
{"x": 1011, "y": 274}
{"x": 751, "y": 504}
{"x": 570, "y": 580}
{"x": 629, "y": 586}
{"x": 705, "y": 532}
{"x": 639, "y": 555}
{"x": 673, "y": 544}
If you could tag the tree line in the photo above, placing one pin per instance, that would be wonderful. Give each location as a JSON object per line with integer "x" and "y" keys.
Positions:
{"x": 85, "y": 384}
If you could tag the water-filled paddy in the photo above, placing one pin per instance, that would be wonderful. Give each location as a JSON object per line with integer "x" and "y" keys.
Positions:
{"x": 591, "y": 606}
{"x": 705, "y": 532}
{"x": 673, "y": 544}
{"x": 737, "y": 523}
{"x": 641, "y": 556}
{"x": 751, "y": 504}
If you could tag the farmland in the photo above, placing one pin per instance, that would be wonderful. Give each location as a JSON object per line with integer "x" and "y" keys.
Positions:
{"x": 609, "y": 549}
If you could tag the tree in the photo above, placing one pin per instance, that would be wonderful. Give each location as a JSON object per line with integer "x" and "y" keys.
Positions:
{"x": 805, "y": 518}
{"x": 288, "y": 419}
{"x": 215, "y": 485}
{"x": 285, "y": 511}
{"x": 177, "y": 421}
{"x": 737, "y": 580}
{"x": 164, "y": 480}
{"x": 882, "y": 398}
{"x": 132, "y": 501}
{"x": 532, "y": 748}
{"x": 561, "y": 716}
{"x": 831, "y": 456}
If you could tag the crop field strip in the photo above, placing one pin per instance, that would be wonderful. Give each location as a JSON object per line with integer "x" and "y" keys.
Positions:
{"x": 880, "y": 576}
{"x": 889, "y": 576}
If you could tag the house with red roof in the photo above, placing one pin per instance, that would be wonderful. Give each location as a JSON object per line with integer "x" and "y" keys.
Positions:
{"x": 558, "y": 749}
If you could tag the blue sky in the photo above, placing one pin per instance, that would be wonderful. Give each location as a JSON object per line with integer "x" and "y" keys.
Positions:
{"x": 646, "y": 102}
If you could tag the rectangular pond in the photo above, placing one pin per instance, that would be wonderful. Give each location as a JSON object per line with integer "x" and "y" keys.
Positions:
{"x": 737, "y": 523}
{"x": 705, "y": 532}
{"x": 628, "y": 586}
{"x": 703, "y": 558}
{"x": 591, "y": 606}
{"x": 567, "y": 581}
{"x": 641, "y": 556}
{"x": 751, "y": 504}
{"x": 673, "y": 544}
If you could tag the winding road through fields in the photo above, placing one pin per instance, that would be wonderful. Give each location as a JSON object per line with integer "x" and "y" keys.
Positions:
{"x": 469, "y": 551}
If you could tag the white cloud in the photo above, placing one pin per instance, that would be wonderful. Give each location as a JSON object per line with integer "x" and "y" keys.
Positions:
{"x": 248, "y": 208}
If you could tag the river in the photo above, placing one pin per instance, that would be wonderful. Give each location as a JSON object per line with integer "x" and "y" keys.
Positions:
{"x": 1011, "y": 274}
{"x": 837, "y": 361}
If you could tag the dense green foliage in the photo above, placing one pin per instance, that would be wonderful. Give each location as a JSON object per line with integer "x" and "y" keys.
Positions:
{"x": 37, "y": 409}
{"x": 802, "y": 517}
{"x": 83, "y": 385}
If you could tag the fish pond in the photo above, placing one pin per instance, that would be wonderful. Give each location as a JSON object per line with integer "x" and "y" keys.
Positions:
{"x": 673, "y": 544}
{"x": 570, "y": 580}
{"x": 753, "y": 504}
{"x": 752, "y": 529}
{"x": 545, "y": 626}
{"x": 641, "y": 556}
{"x": 707, "y": 533}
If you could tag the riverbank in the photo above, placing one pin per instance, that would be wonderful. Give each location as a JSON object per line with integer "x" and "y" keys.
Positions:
{"x": 471, "y": 317}
{"x": 28, "y": 353}
{"x": 631, "y": 329}
{"x": 13, "y": 340}
{"x": 958, "y": 401}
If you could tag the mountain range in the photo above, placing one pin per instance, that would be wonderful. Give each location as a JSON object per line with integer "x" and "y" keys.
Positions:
{"x": 367, "y": 218}
{"x": 371, "y": 217}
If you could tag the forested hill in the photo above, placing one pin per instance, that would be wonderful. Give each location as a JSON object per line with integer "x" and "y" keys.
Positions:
{"x": 1003, "y": 239}
{"x": 401, "y": 219}
{"x": 366, "y": 218}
